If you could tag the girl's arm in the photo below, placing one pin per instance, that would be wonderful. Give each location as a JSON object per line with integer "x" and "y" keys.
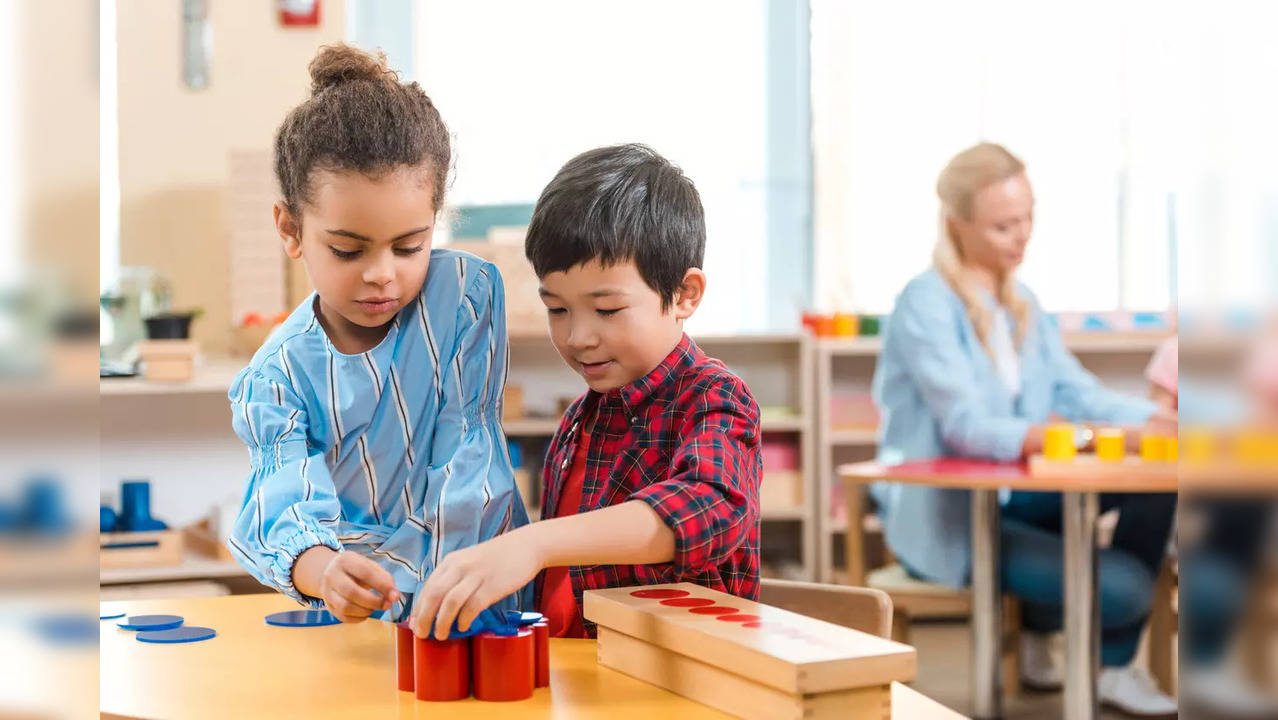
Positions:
{"x": 283, "y": 535}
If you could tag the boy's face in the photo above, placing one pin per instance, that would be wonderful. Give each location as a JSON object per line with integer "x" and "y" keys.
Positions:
{"x": 608, "y": 325}
{"x": 366, "y": 244}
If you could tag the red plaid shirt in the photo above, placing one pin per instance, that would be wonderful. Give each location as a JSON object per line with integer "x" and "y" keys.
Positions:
{"x": 685, "y": 440}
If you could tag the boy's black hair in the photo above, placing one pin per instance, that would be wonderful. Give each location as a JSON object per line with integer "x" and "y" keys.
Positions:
{"x": 619, "y": 203}
{"x": 359, "y": 117}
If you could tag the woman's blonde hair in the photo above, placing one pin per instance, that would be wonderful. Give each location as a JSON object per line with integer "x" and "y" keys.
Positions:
{"x": 967, "y": 173}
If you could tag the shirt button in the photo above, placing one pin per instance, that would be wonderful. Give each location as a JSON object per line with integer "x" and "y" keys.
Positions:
{"x": 564, "y": 464}
{"x": 634, "y": 420}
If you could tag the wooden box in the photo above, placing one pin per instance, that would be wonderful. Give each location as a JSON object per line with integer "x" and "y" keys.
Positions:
{"x": 168, "y": 360}
{"x": 201, "y": 538}
{"x": 140, "y": 549}
{"x": 781, "y": 489}
{"x": 743, "y": 657}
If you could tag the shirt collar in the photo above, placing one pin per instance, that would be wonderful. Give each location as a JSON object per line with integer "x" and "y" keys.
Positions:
{"x": 638, "y": 393}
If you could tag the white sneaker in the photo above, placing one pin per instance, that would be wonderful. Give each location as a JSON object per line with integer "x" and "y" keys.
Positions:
{"x": 1220, "y": 692}
{"x": 1040, "y": 661}
{"x": 1132, "y": 690}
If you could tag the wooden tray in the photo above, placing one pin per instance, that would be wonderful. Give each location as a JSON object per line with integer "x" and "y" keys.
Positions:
{"x": 140, "y": 549}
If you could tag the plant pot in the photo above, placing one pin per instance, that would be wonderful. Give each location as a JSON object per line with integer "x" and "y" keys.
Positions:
{"x": 169, "y": 326}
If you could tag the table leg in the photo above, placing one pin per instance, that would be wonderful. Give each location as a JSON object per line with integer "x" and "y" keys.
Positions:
{"x": 987, "y": 614}
{"x": 1082, "y": 621}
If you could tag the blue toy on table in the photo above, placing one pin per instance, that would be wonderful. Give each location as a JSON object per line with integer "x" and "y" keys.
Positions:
{"x": 184, "y": 634}
{"x": 150, "y": 622}
{"x": 302, "y": 618}
{"x": 135, "y": 510}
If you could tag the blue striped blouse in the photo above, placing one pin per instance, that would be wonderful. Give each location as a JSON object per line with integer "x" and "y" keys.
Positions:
{"x": 396, "y": 453}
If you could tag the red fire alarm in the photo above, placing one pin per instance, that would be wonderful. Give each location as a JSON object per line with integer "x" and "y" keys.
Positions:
{"x": 299, "y": 13}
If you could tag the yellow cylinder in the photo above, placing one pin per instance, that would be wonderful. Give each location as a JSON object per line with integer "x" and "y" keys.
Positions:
{"x": 1200, "y": 445}
{"x": 845, "y": 325}
{"x": 1111, "y": 445}
{"x": 1153, "y": 448}
{"x": 1058, "y": 442}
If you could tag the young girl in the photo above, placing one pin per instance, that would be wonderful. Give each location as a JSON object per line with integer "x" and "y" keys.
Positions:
{"x": 372, "y": 415}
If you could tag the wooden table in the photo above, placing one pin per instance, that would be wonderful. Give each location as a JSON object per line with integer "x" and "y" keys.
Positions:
{"x": 348, "y": 671}
{"x": 1080, "y": 510}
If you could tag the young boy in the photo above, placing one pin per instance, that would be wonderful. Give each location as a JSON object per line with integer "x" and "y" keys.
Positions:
{"x": 654, "y": 474}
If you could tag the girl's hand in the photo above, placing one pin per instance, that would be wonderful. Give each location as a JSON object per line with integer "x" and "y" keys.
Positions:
{"x": 354, "y": 587}
{"x": 1162, "y": 422}
{"x": 470, "y": 580}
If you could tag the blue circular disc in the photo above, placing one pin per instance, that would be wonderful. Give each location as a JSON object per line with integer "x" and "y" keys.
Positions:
{"x": 150, "y": 622}
{"x": 111, "y": 616}
{"x": 186, "y": 634}
{"x": 67, "y": 629}
{"x": 514, "y": 617}
{"x": 302, "y": 618}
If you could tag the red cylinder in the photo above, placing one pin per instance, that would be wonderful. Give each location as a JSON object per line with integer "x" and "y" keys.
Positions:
{"x": 404, "y": 657}
{"x": 442, "y": 668}
{"x": 504, "y": 664}
{"x": 541, "y": 642}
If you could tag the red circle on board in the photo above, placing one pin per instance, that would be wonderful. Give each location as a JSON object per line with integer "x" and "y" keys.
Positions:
{"x": 741, "y": 618}
{"x": 659, "y": 594}
{"x": 713, "y": 610}
{"x": 766, "y": 626}
{"x": 688, "y": 602}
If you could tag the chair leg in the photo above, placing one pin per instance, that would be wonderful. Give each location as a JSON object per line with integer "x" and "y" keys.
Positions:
{"x": 1162, "y": 631}
{"x": 901, "y": 625}
{"x": 854, "y": 536}
{"x": 1011, "y": 646}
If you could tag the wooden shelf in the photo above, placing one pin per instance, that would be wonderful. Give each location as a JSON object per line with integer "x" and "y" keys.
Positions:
{"x": 778, "y": 513}
{"x": 850, "y": 346}
{"x": 713, "y": 339}
{"x": 1116, "y": 342}
{"x": 212, "y": 376}
{"x": 783, "y": 423}
{"x": 1142, "y": 341}
{"x": 853, "y": 437}
{"x": 531, "y": 427}
{"x": 193, "y": 566}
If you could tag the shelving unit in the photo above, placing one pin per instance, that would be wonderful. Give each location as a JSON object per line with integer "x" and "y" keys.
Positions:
{"x": 793, "y": 377}
{"x": 777, "y": 368}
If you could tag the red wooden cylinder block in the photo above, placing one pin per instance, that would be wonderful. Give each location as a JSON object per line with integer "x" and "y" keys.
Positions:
{"x": 504, "y": 664}
{"x": 404, "y": 657}
{"x": 442, "y": 668}
{"x": 541, "y": 643}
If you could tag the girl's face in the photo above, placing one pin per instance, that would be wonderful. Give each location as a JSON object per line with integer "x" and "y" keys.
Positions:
{"x": 995, "y": 236}
{"x": 366, "y": 244}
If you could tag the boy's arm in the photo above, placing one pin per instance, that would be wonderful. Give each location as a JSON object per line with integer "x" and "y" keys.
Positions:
{"x": 472, "y": 579}
{"x": 694, "y": 519}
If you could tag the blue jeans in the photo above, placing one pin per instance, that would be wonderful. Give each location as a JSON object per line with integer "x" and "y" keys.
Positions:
{"x": 1216, "y": 573}
{"x": 1033, "y": 559}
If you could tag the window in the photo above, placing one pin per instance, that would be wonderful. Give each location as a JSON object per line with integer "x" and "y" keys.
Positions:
{"x": 526, "y": 86}
{"x": 899, "y": 88}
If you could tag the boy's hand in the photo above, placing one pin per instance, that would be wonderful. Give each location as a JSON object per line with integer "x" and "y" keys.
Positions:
{"x": 470, "y": 580}
{"x": 354, "y": 587}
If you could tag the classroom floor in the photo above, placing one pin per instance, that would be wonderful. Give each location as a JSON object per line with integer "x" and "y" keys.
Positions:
{"x": 943, "y": 675}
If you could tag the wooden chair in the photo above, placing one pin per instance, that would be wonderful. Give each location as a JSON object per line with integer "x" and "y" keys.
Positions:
{"x": 859, "y": 608}
{"x": 1163, "y": 622}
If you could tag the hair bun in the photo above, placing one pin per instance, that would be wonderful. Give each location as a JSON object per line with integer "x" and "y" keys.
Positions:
{"x": 336, "y": 64}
